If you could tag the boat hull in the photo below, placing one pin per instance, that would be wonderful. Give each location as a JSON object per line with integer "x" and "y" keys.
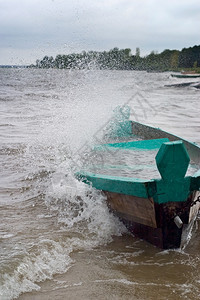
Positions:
{"x": 160, "y": 210}
{"x": 186, "y": 75}
{"x": 154, "y": 222}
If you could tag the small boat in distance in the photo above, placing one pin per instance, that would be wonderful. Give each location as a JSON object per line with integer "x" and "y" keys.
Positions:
{"x": 152, "y": 182}
{"x": 186, "y": 75}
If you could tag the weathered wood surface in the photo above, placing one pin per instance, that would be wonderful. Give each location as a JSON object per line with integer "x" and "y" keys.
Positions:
{"x": 194, "y": 208}
{"x": 134, "y": 209}
{"x": 154, "y": 222}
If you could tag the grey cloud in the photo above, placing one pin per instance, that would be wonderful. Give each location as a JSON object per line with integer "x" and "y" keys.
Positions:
{"x": 55, "y": 26}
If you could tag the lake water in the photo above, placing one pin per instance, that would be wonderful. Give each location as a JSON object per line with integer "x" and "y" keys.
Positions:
{"x": 57, "y": 238}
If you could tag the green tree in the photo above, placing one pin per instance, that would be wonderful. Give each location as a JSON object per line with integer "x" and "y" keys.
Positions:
{"x": 137, "y": 52}
{"x": 174, "y": 60}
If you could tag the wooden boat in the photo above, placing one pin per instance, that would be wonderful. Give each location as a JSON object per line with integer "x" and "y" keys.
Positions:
{"x": 160, "y": 209}
{"x": 186, "y": 75}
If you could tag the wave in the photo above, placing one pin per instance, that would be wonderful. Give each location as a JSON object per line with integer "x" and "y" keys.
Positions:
{"x": 83, "y": 223}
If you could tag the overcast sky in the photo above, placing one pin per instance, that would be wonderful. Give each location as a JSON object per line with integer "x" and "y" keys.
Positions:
{"x": 31, "y": 29}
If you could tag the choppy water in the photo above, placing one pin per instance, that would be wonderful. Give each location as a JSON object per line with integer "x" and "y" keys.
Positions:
{"x": 57, "y": 237}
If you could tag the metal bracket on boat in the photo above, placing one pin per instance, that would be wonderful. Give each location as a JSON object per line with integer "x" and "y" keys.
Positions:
{"x": 178, "y": 221}
{"x": 195, "y": 202}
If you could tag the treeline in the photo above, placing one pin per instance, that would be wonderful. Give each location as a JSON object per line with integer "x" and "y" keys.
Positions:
{"x": 122, "y": 59}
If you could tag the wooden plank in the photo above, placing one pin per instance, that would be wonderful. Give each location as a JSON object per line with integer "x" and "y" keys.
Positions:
{"x": 133, "y": 209}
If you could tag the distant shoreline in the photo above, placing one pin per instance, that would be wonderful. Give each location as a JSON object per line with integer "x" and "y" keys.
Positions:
{"x": 13, "y": 66}
{"x": 187, "y": 59}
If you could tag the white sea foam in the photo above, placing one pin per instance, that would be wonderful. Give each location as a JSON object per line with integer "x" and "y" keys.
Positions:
{"x": 81, "y": 213}
{"x": 82, "y": 209}
{"x": 51, "y": 257}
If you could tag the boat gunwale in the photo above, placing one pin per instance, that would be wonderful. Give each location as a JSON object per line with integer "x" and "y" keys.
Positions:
{"x": 153, "y": 132}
